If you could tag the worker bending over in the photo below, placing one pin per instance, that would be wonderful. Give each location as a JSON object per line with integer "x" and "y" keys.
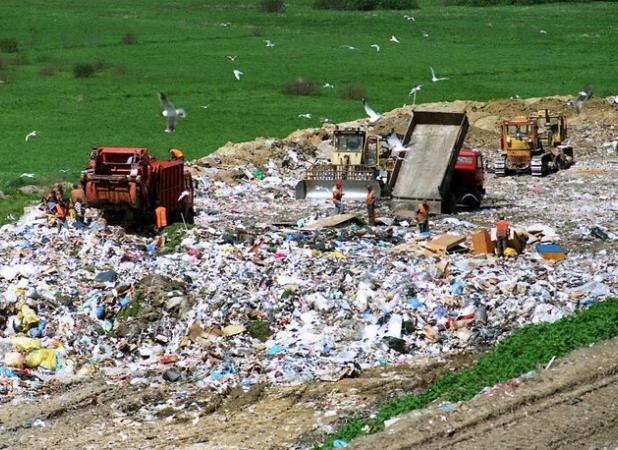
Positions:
{"x": 338, "y": 196}
{"x": 176, "y": 154}
{"x": 160, "y": 217}
{"x": 502, "y": 235}
{"x": 371, "y": 207}
{"x": 422, "y": 216}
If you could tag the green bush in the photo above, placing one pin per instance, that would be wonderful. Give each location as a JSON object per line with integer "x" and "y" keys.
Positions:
{"x": 362, "y": 5}
{"x": 399, "y": 4}
{"x": 505, "y": 2}
{"x": 271, "y": 6}
{"x": 353, "y": 91}
{"x": 9, "y": 45}
{"x": 83, "y": 70}
{"x": 301, "y": 86}
{"x": 129, "y": 38}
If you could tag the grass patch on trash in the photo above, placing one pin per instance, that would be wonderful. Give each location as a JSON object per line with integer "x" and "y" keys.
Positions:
{"x": 516, "y": 354}
{"x": 174, "y": 234}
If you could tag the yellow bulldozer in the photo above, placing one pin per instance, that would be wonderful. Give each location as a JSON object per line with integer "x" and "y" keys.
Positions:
{"x": 358, "y": 159}
{"x": 534, "y": 145}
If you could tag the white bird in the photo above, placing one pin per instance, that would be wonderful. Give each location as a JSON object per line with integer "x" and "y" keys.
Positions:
{"x": 10, "y": 217}
{"x": 349, "y": 47}
{"x": 394, "y": 39}
{"x": 328, "y": 86}
{"x": 425, "y": 34}
{"x": 237, "y": 74}
{"x": 515, "y": 97}
{"x": 325, "y": 120}
{"x": 205, "y": 106}
{"x": 64, "y": 170}
{"x": 225, "y": 24}
{"x": 395, "y": 143}
{"x": 183, "y": 194}
{"x": 269, "y": 43}
{"x": 434, "y": 78}
{"x": 414, "y": 91}
{"x": 373, "y": 116}
{"x": 582, "y": 96}
{"x": 409, "y": 18}
{"x": 542, "y": 31}
{"x": 31, "y": 135}
{"x": 170, "y": 112}
{"x": 231, "y": 57}
{"x": 376, "y": 46}
{"x": 27, "y": 175}
{"x": 305, "y": 116}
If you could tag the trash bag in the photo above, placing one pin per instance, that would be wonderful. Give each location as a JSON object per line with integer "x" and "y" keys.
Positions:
{"x": 43, "y": 357}
{"x": 510, "y": 251}
{"x": 25, "y": 344}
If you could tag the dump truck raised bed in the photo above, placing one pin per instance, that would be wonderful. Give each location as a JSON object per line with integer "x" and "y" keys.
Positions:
{"x": 127, "y": 182}
{"x": 425, "y": 171}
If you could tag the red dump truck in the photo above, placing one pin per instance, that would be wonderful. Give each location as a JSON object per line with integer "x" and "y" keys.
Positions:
{"x": 127, "y": 181}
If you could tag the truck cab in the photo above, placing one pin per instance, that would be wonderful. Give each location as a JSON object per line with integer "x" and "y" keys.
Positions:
{"x": 468, "y": 178}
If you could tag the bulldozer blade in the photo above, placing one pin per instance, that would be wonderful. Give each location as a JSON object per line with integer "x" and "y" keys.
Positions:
{"x": 321, "y": 189}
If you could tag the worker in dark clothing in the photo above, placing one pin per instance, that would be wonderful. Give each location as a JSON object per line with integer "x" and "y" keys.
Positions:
{"x": 176, "y": 154}
{"x": 422, "y": 216}
{"x": 502, "y": 235}
{"x": 371, "y": 207}
{"x": 338, "y": 196}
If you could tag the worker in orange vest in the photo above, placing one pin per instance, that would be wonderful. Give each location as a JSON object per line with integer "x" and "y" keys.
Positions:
{"x": 422, "y": 216}
{"x": 371, "y": 207}
{"x": 502, "y": 235}
{"x": 176, "y": 154}
{"x": 338, "y": 196}
{"x": 160, "y": 217}
{"x": 61, "y": 214}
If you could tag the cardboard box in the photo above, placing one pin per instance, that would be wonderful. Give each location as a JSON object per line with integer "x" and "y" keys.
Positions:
{"x": 481, "y": 242}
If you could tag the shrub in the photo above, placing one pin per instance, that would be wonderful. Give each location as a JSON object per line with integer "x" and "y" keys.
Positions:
{"x": 48, "y": 71}
{"x": 301, "y": 86}
{"x": 399, "y": 4}
{"x": 129, "y": 38}
{"x": 9, "y": 45}
{"x": 361, "y": 5}
{"x": 270, "y": 6}
{"x": 83, "y": 70}
{"x": 353, "y": 91}
{"x": 329, "y": 4}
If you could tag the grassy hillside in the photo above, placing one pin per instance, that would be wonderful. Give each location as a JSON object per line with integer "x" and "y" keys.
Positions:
{"x": 181, "y": 46}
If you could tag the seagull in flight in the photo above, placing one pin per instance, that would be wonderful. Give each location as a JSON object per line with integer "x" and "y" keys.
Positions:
{"x": 183, "y": 194}
{"x": 269, "y": 43}
{"x": 225, "y": 24}
{"x": 238, "y": 74}
{"x": 425, "y": 34}
{"x": 414, "y": 91}
{"x": 542, "y": 31}
{"x": 395, "y": 143}
{"x": 408, "y": 18}
{"x": 582, "y": 96}
{"x": 231, "y": 57}
{"x": 376, "y": 46}
{"x": 10, "y": 217}
{"x": 515, "y": 97}
{"x": 170, "y": 112}
{"x": 394, "y": 39}
{"x": 349, "y": 47}
{"x": 328, "y": 86}
{"x": 27, "y": 175}
{"x": 305, "y": 116}
{"x": 434, "y": 78}
{"x": 31, "y": 135}
{"x": 205, "y": 106}
{"x": 325, "y": 120}
{"x": 64, "y": 170}
{"x": 373, "y": 116}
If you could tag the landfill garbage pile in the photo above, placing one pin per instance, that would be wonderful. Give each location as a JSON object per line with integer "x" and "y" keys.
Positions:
{"x": 252, "y": 293}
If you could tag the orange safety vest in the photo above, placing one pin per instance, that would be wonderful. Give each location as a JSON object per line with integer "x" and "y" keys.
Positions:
{"x": 502, "y": 228}
{"x": 60, "y": 213}
{"x": 371, "y": 198}
{"x": 337, "y": 193}
{"x": 176, "y": 154}
{"x": 161, "y": 217}
{"x": 421, "y": 212}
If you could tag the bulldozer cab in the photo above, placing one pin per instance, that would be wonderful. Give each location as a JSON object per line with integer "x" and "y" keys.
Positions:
{"x": 518, "y": 134}
{"x": 354, "y": 147}
{"x": 552, "y": 128}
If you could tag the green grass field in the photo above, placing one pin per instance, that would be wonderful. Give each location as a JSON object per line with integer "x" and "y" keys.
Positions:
{"x": 181, "y": 49}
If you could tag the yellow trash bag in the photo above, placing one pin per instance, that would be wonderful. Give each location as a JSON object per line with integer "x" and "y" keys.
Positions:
{"x": 509, "y": 251}
{"x": 28, "y": 317}
{"x": 25, "y": 344}
{"x": 44, "y": 357}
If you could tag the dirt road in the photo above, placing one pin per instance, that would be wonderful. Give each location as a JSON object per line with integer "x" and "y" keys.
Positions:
{"x": 572, "y": 405}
